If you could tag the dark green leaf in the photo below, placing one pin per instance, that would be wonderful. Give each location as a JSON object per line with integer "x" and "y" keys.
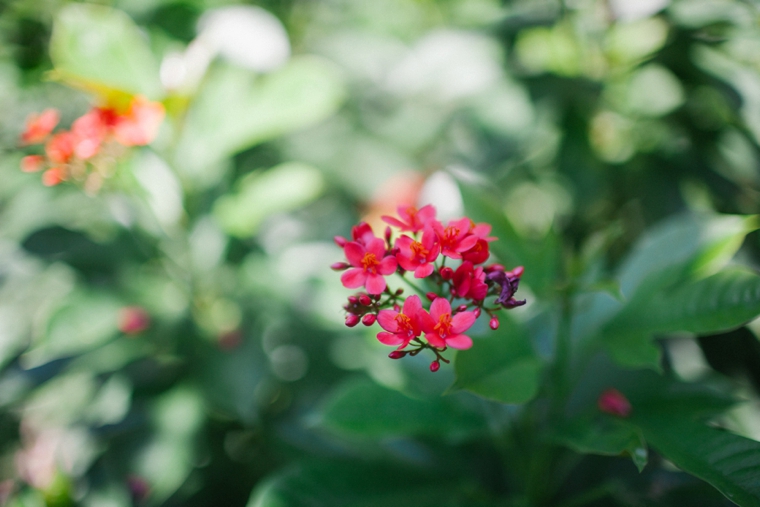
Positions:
{"x": 604, "y": 435}
{"x": 502, "y": 366}
{"x": 364, "y": 408}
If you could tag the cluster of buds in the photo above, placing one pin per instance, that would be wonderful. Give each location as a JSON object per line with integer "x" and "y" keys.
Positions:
{"x": 89, "y": 151}
{"x": 457, "y": 293}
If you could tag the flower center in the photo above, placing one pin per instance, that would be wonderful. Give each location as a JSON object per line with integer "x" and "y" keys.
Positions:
{"x": 449, "y": 238}
{"x": 443, "y": 328}
{"x": 404, "y": 324}
{"x": 370, "y": 262}
{"x": 418, "y": 251}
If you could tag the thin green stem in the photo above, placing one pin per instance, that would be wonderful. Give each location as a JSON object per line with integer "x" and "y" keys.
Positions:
{"x": 413, "y": 286}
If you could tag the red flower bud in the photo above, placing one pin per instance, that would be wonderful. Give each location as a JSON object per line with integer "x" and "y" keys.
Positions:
{"x": 339, "y": 266}
{"x": 435, "y": 366}
{"x": 494, "y": 324}
{"x": 133, "y": 320}
{"x": 388, "y": 235}
{"x": 518, "y": 271}
{"x": 461, "y": 308}
{"x": 477, "y": 312}
{"x": 493, "y": 267}
{"x": 399, "y": 292}
{"x": 353, "y": 300}
{"x": 352, "y": 320}
{"x": 364, "y": 300}
{"x": 340, "y": 241}
{"x": 431, "y": 296}
{"x": 369, "y": 319}
{"x": 614, "y": 402}
{"x": 397, "y": 354}
{"x": 396, "y": 308}
{"x": 447, "y": 273}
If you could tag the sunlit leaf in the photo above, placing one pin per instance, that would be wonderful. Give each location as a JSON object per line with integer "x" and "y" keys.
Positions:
{"x": 501, "y": 367}
{"x": 102, "y": 50}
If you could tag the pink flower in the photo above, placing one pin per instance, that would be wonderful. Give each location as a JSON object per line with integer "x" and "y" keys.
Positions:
{"x": 90, "y": 130}
{"x": 614, "y": 402}
{"x": 133, "y": 320}
{"x": 60, "y": 148}
{"x": 443, "y": 330}
{"x": 402, "y": 326}
{"x": 370, "y": 265}
{"x": 418, "y": 256}
{"x": 470, "y": 282}
{"x": 360, "y": 233}
{"x": 32, "y": 163}
{"x": 412, "y": 219}
{"x": 39, "y": 126}
{"x": 479, "y": 252}
{"x": 455, "y": 237}
{"x": 139, "y": 125}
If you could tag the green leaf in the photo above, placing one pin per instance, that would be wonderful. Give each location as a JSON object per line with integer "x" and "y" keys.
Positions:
{"x": 606, "y": 436}
{"x": 102, "y": 50}
{"x": 715, "y": 304}
{"x": 363, "y": 408}
{"x": 361, "y": 484}
{"x": 283, "y": 188}
{"x": 501, "y": 367}
{"x": 695, "y": 245}
{"x": 729, "y": 462}
{"x": 540, "y": 258}
{"x": 236, "y": 109}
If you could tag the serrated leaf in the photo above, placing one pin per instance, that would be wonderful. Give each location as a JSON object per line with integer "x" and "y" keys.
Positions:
{"x": 501, "y": 367}
{"x": 102, "y": 50}
{"x": 729, "y": 462}
{"x": 363, "y": 408}
{"x": 236, "y": 109}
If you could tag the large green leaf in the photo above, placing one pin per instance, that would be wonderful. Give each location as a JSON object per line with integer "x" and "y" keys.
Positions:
{"x": 101, "y": 49}
{"x": 364, "y": 408}
{"x": 729, "y": 462}
{"x": 606, "y": 436}
{"x": 501, "y": 367}
{"x": 540, "y": 258}
{"x": 715, "y": 304}
{"x": 236, "y": 109}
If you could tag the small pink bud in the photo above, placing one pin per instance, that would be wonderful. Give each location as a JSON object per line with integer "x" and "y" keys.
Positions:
{"x": 364, "y": 300}
{"x": 518, "y": 271}
{"x": 353, "y": 300}
{"x": 431, "y": 296}
{"x": 133, "y": 320}
{"x": 397, "y": 354}
{"x": 493, "y": 267}
{"x": 369, "y": 319}
{"x": 352, "y": 320}
{"x": 396, "y": 308}
{"x": 494, "y": 324}
{"x": 339, "y": 266}
{"x": 447, "y": 273}
{"x": 614, "y": 402}
{"x": 388, "y": 235}
{"x": 399, "y": 292}
{"x": 461, "y": 308}
{"x": 435, "y": 366}
{"x": 340, "y": 241}
{"x": 477, "y": 312}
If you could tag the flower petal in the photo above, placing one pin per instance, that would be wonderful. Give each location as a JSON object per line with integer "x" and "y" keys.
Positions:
{"x": 393, "y": 221}
{"x": 467, "y": 243}
{"x": 389, "y": 338}
{"x": 375, "y": 284}
{"x": 376, "y": 246}
{"x": 412, "y": 305}
{"x": 440, "y": 306}
{"x": 435, "y": 340}
{"x": 459, "y": 341}
{"x": 354, "y": 253}
{"x": 387, "y": 320}
{"x": 424, "y": 270}
{"x": 387, "y": 266}
{"x": 462, "y": 321}
{"x": 353, "y": 278}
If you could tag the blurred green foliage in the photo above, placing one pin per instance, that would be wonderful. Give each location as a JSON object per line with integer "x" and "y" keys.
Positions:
{"x": 614, "y": 146}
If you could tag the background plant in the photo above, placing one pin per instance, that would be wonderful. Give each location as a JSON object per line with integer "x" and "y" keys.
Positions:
{"x": 177, "y": 338}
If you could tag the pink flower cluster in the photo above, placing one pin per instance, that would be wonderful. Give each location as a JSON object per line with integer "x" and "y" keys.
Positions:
{"x": 421, "y": 247}
{"x": 96, "y": 140}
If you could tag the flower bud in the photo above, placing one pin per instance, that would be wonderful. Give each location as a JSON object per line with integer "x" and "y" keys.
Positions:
{"x": 352, "y": 320}
{"x": 517, "y": 272}
{"x": 614, "y": 402}
{"x": 133, "y": 320}
{"x": 369, "y": 319}
{"x": 447, "y": 273}
{"x": 399, "y": 291}
{"x": 388, "y": 235}
{"x": 477, "y": 312}
{"x": 435, "y": 366}
{"x": 339, "y": 266}
{"x": 396, "y": 308}
{"x": 431, "y": 296}
{"x": 353, "y": 300}
{"x": 461, "y": 308}
{"x": 340, "y": 241}
{"x": 397, "y": 354}
{"x": 364, "y": 300}
{"x": 493, "y": 267}
{"x": 494, "y": 324}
